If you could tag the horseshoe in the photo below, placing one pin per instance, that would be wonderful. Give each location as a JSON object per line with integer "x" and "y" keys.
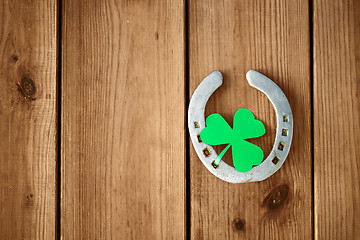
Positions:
{"x": 284, "y": 129}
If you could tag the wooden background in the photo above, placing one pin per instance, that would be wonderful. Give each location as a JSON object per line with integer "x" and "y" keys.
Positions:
{"x": 93, "y": 109}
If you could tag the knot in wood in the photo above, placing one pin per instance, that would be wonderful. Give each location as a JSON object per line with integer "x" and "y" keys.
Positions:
{"x": 239, "y": 224}
{"x": 15, "y": 58}
{"x": 277, "y": 196}
{"x": 27, "y": 87}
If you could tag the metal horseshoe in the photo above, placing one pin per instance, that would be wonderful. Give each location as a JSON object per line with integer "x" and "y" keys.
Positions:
{"x": 284, "y": 129}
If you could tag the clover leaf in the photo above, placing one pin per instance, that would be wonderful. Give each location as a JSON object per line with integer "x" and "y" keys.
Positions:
{"x": 218, "y": 132}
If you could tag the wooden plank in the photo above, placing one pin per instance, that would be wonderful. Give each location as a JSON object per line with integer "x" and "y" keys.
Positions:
{"x": 123, "y": 111}
{"x": 273, "y": 38}
{"x": 336, "y": 119}
{"x": 28, "y": 119}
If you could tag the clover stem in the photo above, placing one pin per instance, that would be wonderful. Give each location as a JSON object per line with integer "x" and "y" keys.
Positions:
{"x": 217, "y": 160}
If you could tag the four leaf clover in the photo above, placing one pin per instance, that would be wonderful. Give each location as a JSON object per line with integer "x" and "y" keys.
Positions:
{"x": 245, "y": 126}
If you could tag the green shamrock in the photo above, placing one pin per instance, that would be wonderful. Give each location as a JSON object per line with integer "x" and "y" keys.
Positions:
{"x": 218, "y": 132}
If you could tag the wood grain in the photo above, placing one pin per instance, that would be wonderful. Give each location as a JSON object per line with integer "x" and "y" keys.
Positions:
{"x": 28, "y": 119}
{"x": 271, "y": 37}
{"x": 123, "y": 127}
{"x": 337, "y": 119}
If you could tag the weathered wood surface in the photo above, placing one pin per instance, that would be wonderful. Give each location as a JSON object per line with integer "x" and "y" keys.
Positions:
{"x": 272, "y": 37}
{"x": 122, "y": 98}
{"x": 337, "y": 119}
{"x": 28, "y": 119}
{"x": 123, "y": 120}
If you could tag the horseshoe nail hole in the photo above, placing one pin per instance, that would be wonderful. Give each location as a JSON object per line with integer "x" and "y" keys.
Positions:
{"x": 214, "y": 164}
{"x": 285, "y": 118}
{"x": 199, "y": 139}
{"x": 275, "y": 160}
{"x": 284, "y": 132}
{"x": 281, "y": 146}
{"x": 206, "y": 152}
{"x": 197, "y": 124}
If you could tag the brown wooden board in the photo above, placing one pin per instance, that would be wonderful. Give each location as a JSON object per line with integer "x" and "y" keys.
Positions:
{"x": 28, "y": 33}
{"x": 123, "y": 120}
{"x": 272, "y": 37}
{"x": 336, "y": 119}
